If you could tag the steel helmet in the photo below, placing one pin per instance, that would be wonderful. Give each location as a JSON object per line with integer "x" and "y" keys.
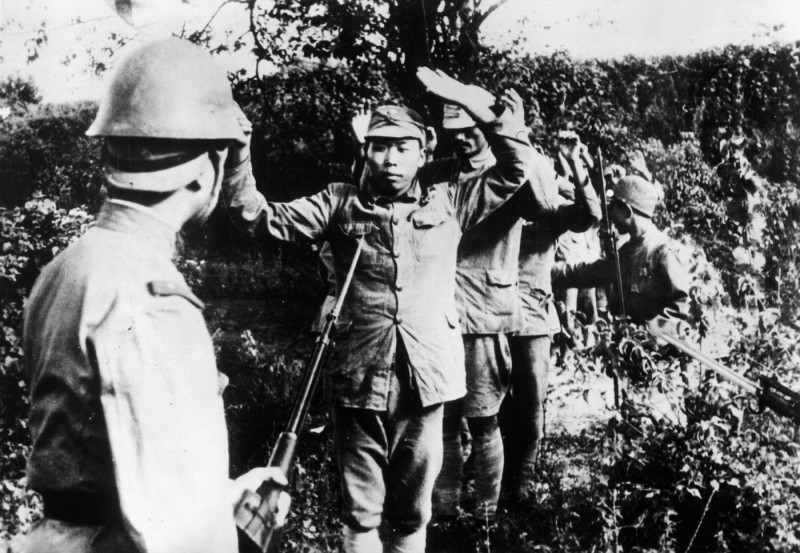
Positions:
{"x": 168, "y": 88}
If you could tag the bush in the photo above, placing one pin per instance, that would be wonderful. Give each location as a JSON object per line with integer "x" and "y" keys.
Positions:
{"x": 45, "y": 151}
{"x": 32, "y": 236}
{"x": 689, "y": 464}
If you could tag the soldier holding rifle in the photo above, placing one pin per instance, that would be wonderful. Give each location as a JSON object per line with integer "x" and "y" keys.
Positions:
{"x": 130, "y": 449}
{"x": 654, "y": 282}
{"x": 403, "y": 352}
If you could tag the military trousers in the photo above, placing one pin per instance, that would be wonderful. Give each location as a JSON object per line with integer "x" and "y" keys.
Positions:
{"x": 522, "y": 417}
{"x": 388, "y": 461}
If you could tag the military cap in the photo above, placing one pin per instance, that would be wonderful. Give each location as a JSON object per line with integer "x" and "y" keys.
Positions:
{"x": 641, "y": 196}
{"x": 396, "y": 122}
{"x": 168, "y": 88}
{"x": 456, "y": 117}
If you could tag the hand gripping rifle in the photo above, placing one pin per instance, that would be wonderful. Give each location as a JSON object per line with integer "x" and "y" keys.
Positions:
{"x": 256, "y": 515}
{"x": 610, "y": 247}
{"x": 769, "y": 392}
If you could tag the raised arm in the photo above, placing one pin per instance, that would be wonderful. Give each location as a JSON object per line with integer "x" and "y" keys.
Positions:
{"x": 584, "y": 211}
{"x": 506, "y": 135}
{"x": 303, "y": 219}
{"x": 540, "y": 199}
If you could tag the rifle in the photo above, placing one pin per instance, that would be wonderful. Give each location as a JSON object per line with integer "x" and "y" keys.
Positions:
{"x": 255, "y": 516}
{"x": 769, "y": 392}
{"x": 610, "y": 248}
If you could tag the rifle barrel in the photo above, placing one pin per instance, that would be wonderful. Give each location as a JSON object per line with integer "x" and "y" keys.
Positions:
{"x": 610, "y": 238}
{"x": 311, "y": 377}
{"x": 726, "y": 373}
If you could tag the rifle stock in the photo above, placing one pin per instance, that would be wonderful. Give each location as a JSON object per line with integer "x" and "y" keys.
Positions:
{"x": 256, "y": 516}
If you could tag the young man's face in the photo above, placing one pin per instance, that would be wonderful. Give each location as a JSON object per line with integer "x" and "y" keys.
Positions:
{"x": 393, "y": 163}
{"x": 467, "y": 142}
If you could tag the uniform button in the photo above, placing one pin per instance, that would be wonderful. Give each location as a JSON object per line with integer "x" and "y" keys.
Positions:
{"x": 398, "y": 287}
{"x": 395, "y": 220}
{"x": 395, "y": 254}
{"x": 398, "y": 321}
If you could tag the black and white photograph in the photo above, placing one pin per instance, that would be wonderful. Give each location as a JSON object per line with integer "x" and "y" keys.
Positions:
{"x": 400, "y": 276}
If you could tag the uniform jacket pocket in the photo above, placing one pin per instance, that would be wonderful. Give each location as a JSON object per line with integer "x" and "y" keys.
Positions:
{"x": 501, "y": 277}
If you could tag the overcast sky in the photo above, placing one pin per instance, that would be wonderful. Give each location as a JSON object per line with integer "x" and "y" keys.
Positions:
{"x": 586, "y": 28}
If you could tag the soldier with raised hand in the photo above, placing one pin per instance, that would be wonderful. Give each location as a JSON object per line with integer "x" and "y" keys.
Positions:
{"x": 487, "y": 297}
{"x": 130, "y": 449}
{"x": 530, "y": 346}
{"x": 654, "y": 281}
{"x": 402, "y": 353}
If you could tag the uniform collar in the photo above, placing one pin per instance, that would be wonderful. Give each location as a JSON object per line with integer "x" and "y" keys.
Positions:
{"x": 141, "y": 222}
{"x": 411, "y": 196}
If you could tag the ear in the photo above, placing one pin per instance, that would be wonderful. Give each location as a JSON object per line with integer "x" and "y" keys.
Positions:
{"x": 431, "y": 138}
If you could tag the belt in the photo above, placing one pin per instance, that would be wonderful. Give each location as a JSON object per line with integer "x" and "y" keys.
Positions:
{"x": 82, "y": 508}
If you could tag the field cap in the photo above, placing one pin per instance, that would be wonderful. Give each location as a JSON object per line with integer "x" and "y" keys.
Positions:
{"x": 396, "y": 122}
{"x": 641, "y": 196}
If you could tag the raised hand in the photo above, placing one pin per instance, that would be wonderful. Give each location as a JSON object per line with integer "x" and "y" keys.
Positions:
{"x": 238, "y": 151}
{"x": 359, "y": 124}
{"x": 476, "y": 100}
{"x": 639, "y": 166}
{"x": 512, "y": 101}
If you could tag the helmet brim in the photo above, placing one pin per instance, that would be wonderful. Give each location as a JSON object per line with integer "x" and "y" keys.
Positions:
{"x": 164, "y": 180}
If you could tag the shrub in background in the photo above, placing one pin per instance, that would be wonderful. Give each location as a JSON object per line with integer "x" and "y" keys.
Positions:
{"x": 31, "y": 236}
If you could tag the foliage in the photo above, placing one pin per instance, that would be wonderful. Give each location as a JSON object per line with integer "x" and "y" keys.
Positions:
{"x": 281, "y": 271}
{"x": 263, "y": 379}
{"x": 396, "y": 35}
{"x": 781, "y": 209}
{"x": 45, "y": 150}
{"x": 31, "y": 236}
{"x": 17, "y": 95}
{"x": 714, "y": 476}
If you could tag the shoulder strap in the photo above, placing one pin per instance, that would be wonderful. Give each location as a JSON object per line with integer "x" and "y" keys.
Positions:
{"x": 161, "y": 288}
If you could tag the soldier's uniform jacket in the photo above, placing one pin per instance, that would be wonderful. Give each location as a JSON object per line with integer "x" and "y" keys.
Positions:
{"x": 487, "y": 289}
{"x": 126, "y": 405}
{"x": 404, "y": 282}
{"x": 538, "y": 246}
{"x": 655, "y": 282}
